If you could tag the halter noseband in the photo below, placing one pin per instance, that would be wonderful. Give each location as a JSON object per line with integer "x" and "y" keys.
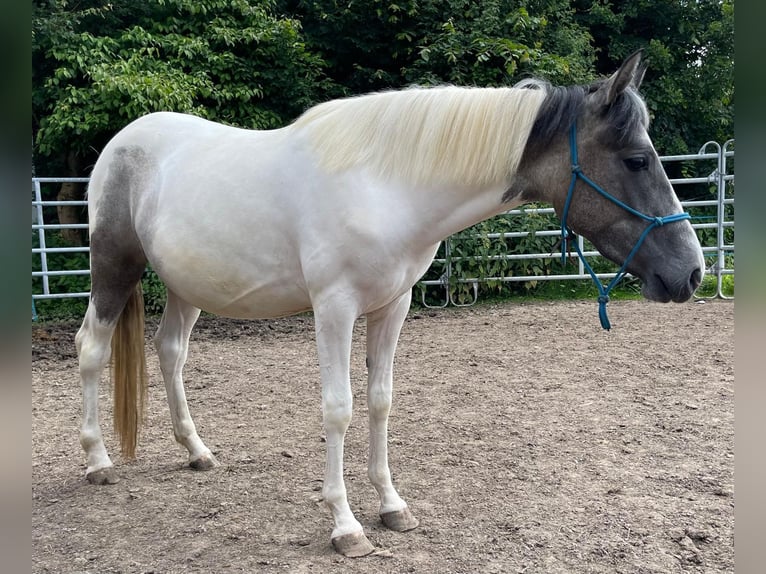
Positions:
{"x": 654, "y": 222}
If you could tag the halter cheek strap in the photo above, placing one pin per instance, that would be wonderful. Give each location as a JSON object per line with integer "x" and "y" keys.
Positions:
{"x": 603, "y": 297}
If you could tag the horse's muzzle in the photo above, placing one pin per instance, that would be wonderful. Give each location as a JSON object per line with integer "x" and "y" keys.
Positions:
{"x": 656, "y": 288}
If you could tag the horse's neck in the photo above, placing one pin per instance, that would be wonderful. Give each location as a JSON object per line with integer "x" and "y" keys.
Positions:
{"x": 448, "y": 210}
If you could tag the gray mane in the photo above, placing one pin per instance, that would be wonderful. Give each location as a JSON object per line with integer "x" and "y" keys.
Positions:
{"x": 564, "y": 104}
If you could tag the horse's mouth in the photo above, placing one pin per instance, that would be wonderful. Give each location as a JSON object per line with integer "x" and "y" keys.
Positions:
{"x": 656, "y": 289}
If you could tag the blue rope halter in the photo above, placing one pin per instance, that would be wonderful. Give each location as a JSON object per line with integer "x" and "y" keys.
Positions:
{"x": 654, "y": 222}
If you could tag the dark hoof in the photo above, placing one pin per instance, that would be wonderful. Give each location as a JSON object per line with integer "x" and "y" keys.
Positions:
{"x": 400, "y": 520}
{"x": 204, "y": 462}
{"x": 354, "y": 545}
{"x": 103, "y": 476}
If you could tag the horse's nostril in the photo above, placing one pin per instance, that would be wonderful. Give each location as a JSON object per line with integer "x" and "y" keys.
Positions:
{"x": 696, "y": 278}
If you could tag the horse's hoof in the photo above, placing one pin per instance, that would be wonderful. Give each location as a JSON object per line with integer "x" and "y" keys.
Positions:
{"x": 204, "y": 462}
{"x": 103, "y": 476}
{"x": 354, "y": 545}
{"x": 399, "y": 520}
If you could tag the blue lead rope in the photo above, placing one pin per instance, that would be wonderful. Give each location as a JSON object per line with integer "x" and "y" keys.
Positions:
{"x": 603, "y": 297}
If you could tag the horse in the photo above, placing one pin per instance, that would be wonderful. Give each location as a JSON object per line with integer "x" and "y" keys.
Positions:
{"x": 340, "y": 213}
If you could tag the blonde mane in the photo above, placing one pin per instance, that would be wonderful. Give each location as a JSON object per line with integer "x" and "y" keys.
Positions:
{"x": 440, "y": 135}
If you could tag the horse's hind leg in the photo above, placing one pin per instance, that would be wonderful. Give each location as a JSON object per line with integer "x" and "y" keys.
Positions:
{"x": 93, "y": 349}
{"x": 383, "y": 328}
{"x": 172, "y": 343}
{"x": 115, "y": 280}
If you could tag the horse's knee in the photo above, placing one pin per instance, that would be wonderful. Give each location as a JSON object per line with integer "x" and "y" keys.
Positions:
{"x": 337, "y": 411}
{"x": 379, "y": 402}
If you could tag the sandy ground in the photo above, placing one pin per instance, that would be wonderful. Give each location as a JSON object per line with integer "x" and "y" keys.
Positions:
{"x": 523, "y": 437}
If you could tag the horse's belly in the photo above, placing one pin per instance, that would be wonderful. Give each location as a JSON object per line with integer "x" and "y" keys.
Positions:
{"x": 241, "y": 299}
{"x": 263, "y": 304}
{"x": 232, "y": 284}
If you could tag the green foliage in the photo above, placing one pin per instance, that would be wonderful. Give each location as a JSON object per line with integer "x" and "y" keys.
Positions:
{"x": 709, "y": 287}
{"x": 155, "y": 293}
{"x": 69, "y": 309}
{"x": 498, "y": 42}
{"x": 480, "y": 251}
{"x": 379, "y": 44}
{"x": 98, "y": 66}
{"x": 689, "y": 85}
{"x": 258, "y": 64}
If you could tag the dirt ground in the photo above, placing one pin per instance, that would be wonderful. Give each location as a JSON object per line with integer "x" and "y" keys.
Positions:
{"x": 523, "y": 437}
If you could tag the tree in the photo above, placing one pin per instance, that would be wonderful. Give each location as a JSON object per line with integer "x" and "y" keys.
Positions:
{"x": 97, "y": 66}
{"x": 381, "y": 44}
{"x": 498, "y": 42}
{"x": 689, "y": 45}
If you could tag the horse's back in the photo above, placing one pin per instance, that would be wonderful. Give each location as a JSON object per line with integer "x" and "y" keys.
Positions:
{"x": 161, "y": 137}
{"x": 208, "y": 206}
{"x": 173, "y": 166}
{"x": 137, "y": 156}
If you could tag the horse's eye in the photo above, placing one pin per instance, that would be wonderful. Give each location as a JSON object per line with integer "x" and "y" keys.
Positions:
{"x": 636, "y": 163}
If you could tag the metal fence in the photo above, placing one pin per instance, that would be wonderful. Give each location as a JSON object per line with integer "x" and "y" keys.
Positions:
{"x": 714, "y": 212}
{"x": 41, "y": 248}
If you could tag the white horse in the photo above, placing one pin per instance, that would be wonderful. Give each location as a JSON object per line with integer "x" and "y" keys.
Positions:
{"x": 341, "y": 213}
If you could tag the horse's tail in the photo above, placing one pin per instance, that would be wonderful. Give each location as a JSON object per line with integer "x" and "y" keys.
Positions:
{"x": 129, "y": 372}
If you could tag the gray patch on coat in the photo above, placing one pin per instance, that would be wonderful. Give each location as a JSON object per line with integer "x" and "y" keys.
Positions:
{"x": 117, "y": 258}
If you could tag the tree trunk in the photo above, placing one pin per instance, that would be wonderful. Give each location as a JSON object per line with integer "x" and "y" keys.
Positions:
{"x": 70, "y": 191}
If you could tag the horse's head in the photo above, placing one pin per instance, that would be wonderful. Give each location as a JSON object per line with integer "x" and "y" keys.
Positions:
{"x": 613, "y": 150}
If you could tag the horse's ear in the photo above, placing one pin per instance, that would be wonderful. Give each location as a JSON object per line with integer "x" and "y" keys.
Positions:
{"x": 638, "y": 77}
{"x": 631, "y": 72}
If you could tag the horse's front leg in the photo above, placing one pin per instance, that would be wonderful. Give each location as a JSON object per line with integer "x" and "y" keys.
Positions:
{"x": 334, "y": 322}
{"x": 383, "y": 328}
